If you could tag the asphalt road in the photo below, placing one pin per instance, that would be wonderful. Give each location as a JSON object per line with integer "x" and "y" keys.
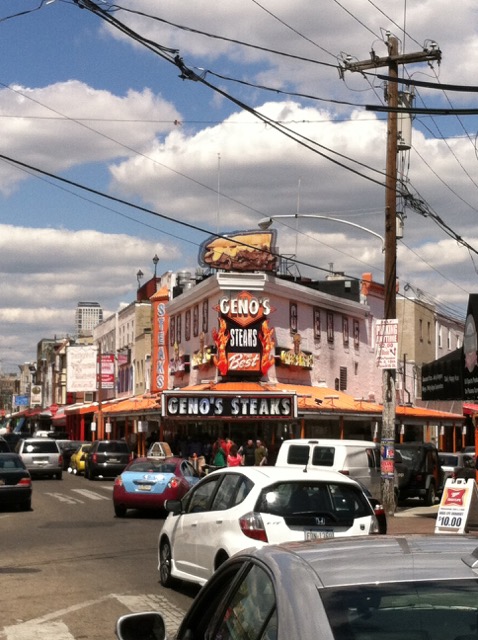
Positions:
{"x": 69, "y": 568}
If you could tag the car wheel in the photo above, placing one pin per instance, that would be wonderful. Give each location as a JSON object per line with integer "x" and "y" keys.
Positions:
{"x": 26, "y": 505}
{"x": 59, "y": 476}
{"x": 220, "y": 559}
{"x": 430, "y": 496}
{"x": 91, "y": 475}
{"x": 120, "y": 510}
{"x": 165, "y": 559}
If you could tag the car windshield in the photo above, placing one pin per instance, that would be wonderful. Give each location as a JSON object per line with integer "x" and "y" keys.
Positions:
{"x": 448, "y": 460}
{"x": 439, "y": 610}
{"x": 152, "y": 466}
{"x": 11, "y": 463}
{"x": 410, "y": 457}
{"x": 341, "y": 500}
{"x": 113, "y": 447}
{"x": 41, "y": 446}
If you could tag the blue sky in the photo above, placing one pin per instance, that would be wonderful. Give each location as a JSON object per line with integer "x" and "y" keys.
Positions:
{"x": 86, "y": 103}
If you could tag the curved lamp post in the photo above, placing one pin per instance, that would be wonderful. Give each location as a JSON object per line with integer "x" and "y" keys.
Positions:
{"x": 265, "y": 223}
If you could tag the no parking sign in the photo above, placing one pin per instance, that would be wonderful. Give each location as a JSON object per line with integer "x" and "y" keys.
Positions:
{"x": 458, "y": 510}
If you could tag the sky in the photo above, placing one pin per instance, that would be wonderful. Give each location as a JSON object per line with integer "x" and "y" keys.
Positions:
{"x": 144, "y": 127}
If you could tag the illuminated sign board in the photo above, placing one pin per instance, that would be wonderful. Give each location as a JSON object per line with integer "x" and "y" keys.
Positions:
{"x": 241, "y": 406}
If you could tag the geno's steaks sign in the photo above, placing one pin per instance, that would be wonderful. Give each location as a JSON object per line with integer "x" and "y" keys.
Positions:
{"x": 213, "y": 405}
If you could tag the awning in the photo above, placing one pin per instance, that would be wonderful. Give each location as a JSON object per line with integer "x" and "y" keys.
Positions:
{"x": 134, "y": 405}
{"x": 469, "y": 409}
{"x": 80, "y": 409}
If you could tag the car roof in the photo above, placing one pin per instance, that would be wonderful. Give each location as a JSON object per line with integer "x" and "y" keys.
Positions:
{"x": 332, "y": 442}
{"x": 273, "y": 474}
{"x": 372, "y": 559}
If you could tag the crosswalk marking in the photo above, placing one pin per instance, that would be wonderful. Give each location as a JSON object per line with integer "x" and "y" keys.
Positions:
{"x": 92, "y": 495}
{"x": 62, "y": 497}
{"x": 52, "y": 627}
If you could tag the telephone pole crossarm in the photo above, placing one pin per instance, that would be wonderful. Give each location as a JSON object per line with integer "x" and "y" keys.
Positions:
{"x": 376, "y": 62}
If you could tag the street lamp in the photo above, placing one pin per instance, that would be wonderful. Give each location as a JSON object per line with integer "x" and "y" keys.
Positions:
{"x": 139, "y": 275}
{"x": 155, "y": 262}
{"x": 265, "y": 223}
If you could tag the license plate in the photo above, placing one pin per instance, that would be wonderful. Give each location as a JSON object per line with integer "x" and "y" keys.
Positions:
{"x": 317, "y": 535}
{"x": 41, "y": 461}
{"x": 144, "y": 487}
{"x": 113, "y": 460}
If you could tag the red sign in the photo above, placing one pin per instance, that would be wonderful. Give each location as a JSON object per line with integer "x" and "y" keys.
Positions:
{"x": 244, "y": 341}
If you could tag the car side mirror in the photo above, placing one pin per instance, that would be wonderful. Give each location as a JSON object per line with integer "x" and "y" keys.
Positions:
{"x": 141, "y": 626}
{"x": 173, "y": 506}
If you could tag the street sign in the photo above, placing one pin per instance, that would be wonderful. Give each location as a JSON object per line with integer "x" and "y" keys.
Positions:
{"x": 386, "y": 344}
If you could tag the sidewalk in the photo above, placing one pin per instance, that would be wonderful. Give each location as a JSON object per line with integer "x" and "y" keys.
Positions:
{"x": 414, "y": 520}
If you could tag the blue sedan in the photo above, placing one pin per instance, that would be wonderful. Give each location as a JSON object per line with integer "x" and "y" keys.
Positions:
{"x": 147, "y": 482}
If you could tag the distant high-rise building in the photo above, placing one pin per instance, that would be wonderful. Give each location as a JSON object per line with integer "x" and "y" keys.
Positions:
{"x": 88, "y": 315}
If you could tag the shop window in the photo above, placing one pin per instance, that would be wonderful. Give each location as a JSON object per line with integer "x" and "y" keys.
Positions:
{"x": 172, "y": 331}
{"x": 178, "y": 329}
{"x": 205, "y": 316}
{"x": 196, "y": 321}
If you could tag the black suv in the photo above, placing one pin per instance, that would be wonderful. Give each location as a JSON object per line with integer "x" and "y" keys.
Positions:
{"x": 107, "y": 458}
{"x": 419, "y": 471}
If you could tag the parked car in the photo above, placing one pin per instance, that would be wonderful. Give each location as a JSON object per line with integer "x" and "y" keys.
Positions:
{"x": 419, "y": 471}
{"x": 107, "y": 458}
{"x": 457, "y": 465}
{"x": 147, "y": 482}
{"x": 68, "y": 448}
{"x": 359, "y": 459}
{"x": 418, "y": 588}
{"x": 4, "y": 446}
{"x": 77, "y": 460}
{"x": 15, "y": 482}
{"x": 236, "y": 507}
{"x": 41, "y": 456}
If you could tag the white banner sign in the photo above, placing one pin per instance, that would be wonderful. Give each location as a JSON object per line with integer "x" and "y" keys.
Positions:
{"x": 386, "y": 344}
{"x": 81, "y": 368}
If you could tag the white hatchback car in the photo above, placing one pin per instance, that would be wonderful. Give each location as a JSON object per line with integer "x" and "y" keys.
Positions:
{"x": 235, "y": 508}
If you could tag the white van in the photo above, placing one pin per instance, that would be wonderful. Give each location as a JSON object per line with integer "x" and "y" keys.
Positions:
{"x": 359, "y": 459}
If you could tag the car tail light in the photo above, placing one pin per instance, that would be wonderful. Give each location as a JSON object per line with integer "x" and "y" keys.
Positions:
{"x": 60, "y": 459}
{"x": 345, "y": 472}
{"x": 25, "y": 482}
{"x": 94, "y": 458}
{"x": 252, "y": 526}
{"x": 375, "y": 528}
{"x": 119, "y": 481}
{"x": 173, "y": 483}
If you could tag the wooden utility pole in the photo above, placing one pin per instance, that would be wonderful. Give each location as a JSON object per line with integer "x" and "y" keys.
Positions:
{"x": 392, "y": 61}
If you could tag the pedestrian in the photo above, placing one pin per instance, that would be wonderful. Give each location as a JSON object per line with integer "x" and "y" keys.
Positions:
{"x": 234, "y": 458}
{"x": 248, "y": 453}
{"x": 260, "y": 454}
{"x": 219, "y": 455}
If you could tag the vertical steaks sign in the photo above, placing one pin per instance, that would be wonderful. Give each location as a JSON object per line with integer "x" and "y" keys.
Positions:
{"x": 244, "y": 340}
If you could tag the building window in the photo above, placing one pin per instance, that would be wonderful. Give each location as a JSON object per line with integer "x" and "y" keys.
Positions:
{"x": 420, "y": 330}
{"x": 343, "y": 379}
{"x": 429, "y": 332}
{"x": 330, "y": 327}
{"x": 345, "y": 331}
{"x": 440, "y": 337}
{"x": 172, "y": 331}
{"x": 187, "y": 326}
{"x": 293, "y": 317}
{"x": 178, "y": 329}
{"x": 448, "y": 341}
{"x": 316, "y": 324}
{"x": 356, "y": 334}
{"x": 196, "y": 321}
{"x": 205, "y": 316}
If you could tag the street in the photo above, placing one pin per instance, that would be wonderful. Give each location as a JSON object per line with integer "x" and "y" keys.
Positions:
{"x": 69, "y": 568}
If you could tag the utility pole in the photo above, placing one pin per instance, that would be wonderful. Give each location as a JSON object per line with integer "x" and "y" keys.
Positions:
{"x": 391, "y": 61}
